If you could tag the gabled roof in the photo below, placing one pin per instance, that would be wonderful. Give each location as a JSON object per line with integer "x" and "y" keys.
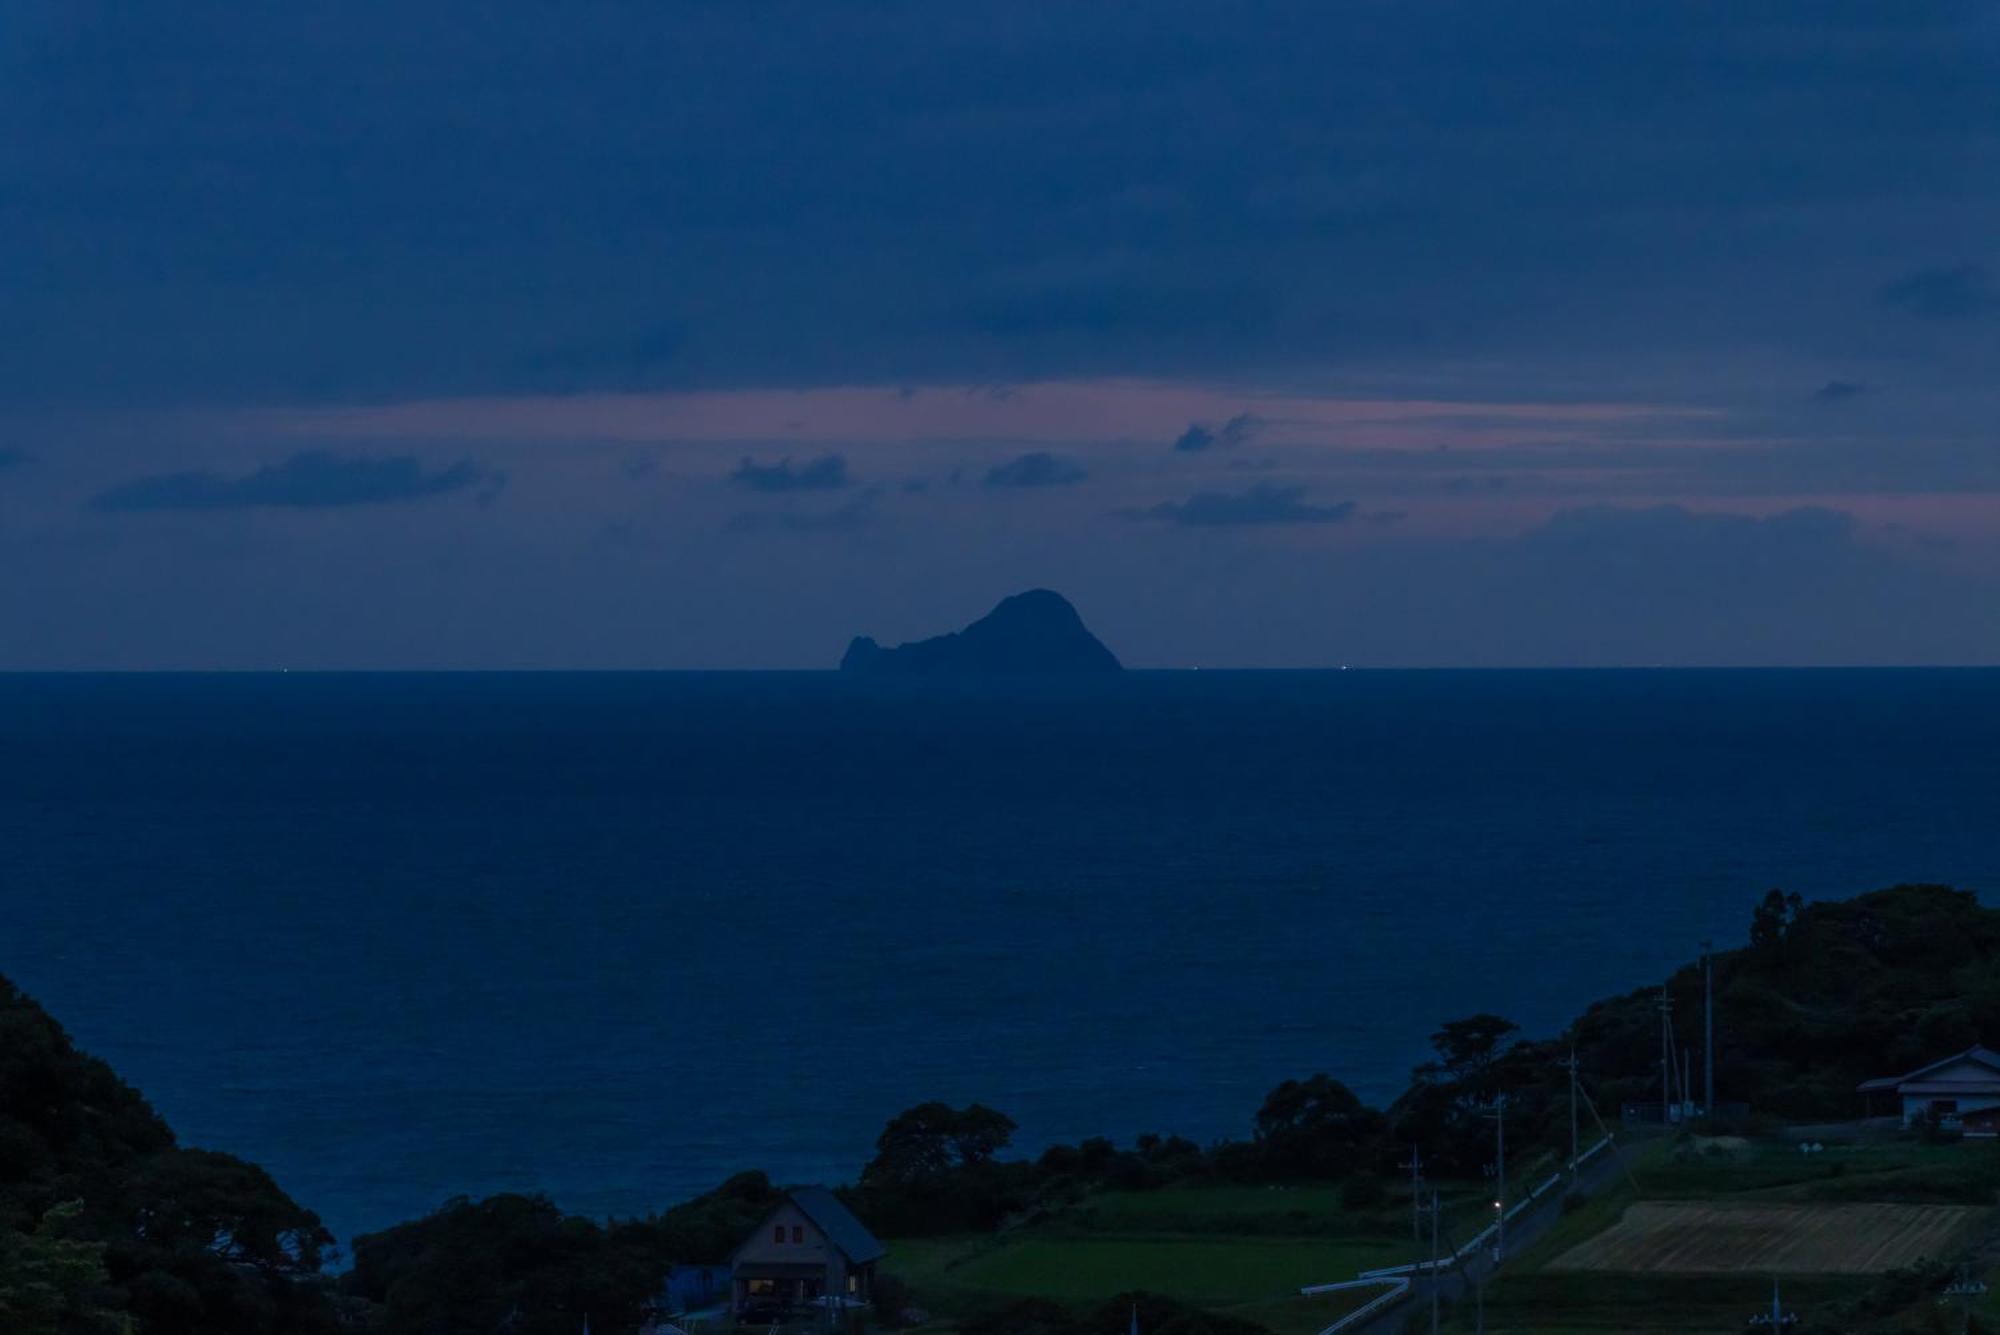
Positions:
{"x": 848, "y": 1235}
{"x": 1978, "y": 1054}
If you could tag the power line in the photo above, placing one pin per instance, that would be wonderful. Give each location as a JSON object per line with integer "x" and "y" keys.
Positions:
{"x": 1499, "y": 1116}
{"x": 1416, "y": 1167}
{"x": 1708, "y": 1027}
{"x": 1570, "y": 1066}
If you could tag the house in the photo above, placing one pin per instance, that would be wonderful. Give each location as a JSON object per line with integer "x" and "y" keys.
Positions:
{"x": 808, "y": 1248}
{"x": 1947, "y": 1089}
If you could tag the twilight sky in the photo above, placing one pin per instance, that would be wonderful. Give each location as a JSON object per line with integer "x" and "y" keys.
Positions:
{"x": 707, "y": 334}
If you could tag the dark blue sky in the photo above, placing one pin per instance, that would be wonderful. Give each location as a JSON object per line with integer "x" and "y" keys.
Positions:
{"x": 707, "y": 334}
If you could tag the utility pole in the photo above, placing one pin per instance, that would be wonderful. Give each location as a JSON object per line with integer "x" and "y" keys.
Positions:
{"x": 1666, "y": 1058}
{"x": 1416, "y": 1167}
{"x": 1708, "y": 1028}
{"x": 1499, "y": 1176}
{"x": 1434, "y": 1212}
{"x": 1570, "y": 1066}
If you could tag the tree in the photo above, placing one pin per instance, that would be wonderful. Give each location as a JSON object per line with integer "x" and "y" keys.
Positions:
{"x": 188, "y": 1242}
{"x": 935, "y": 1171}
{"x": 1316, "y": 1128}
{"x": 1468, "y": 1050}
{"x": 1772, "y": 919}
{"x": 513, "y": 1261}
{"x": 52, "y": 1283}
{"x": 925, "y": 1145}
{"x": 203, "y": 1202}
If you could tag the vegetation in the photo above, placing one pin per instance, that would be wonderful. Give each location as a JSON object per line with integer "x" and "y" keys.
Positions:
{"x": 520, "y": 1264}
{"x": 1150, "y": 1311}
{"x": 935, "y": 1171}
{"x": 104, "y": 1217}
{"x": 509, "y": 1263}
{"x": 1530, "y": 1294}
{"x": 105, "y": 1220}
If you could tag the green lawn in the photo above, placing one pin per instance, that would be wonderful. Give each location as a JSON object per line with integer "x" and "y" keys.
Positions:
{"x": 1209, "y": 1271}
{"x": 1294, "y": 1212}
{"x": 1898, "y": 1171}
{"x": 1245, "y": 1250}
{"x": 1255, "y": 1278}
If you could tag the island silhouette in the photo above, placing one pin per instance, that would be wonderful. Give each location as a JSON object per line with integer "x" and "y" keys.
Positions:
{"x": 1036, "y": 633}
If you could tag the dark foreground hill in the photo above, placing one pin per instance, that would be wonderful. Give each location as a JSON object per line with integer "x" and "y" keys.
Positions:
{"x": 1036, "y": 633}
{"x": 103, "y": 1217}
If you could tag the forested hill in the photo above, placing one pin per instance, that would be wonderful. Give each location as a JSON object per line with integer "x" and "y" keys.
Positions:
{"x": 1824, "y": 996}
{"x": 104, "y": 1217}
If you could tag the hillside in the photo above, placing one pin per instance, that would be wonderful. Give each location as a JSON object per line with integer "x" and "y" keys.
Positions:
{"x": 104, "y": 1216}
{"x": 1824, "y": 996}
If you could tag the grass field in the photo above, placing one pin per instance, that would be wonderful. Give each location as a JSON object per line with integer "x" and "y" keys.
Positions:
{"x": 1899, "y": 1171}
{"x": 1242, "y": 1250}
{"x": 1203, "y": 1270}
{"x": 1745, "y": 1237}
{"x": 1254, "y": 1277}
{"x": 1080, "y": 1268}
{"x": 1270, "y": 1211}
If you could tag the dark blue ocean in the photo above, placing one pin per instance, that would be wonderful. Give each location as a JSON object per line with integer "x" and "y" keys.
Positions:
{"x": 615, "y": 937}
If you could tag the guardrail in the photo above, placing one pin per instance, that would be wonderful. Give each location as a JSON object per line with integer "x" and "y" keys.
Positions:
{"x": 1397, "y": 1289}
{"x": 1398, "y": 1276}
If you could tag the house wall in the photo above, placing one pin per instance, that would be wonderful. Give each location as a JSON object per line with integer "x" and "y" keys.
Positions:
{"x": 762, "y": 1247}
{"x": 1915, "y": 1106}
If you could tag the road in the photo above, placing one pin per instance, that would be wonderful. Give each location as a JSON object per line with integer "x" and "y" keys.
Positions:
{"x": 1522, "y": 1230}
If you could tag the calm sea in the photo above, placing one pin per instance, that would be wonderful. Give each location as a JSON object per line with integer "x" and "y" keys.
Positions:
{"x": 615, "y": 937}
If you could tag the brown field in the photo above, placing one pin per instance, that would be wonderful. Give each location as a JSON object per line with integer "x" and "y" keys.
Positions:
{"x": 1693, "y": 1238}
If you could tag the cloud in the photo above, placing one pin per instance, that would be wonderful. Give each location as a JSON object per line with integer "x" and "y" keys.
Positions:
{"x": 857, "y": 512}
{"x": 826, "y": 473}
{"x": 1944, "y": 294}
{"x": 1838, "y": 391}
{"x": 1200, "y": 436}
{"x": 1645, "y": 534}
{"x": 1036, "y": 469}
{"x": 1264, "y": 503}
{"x": 917, "y": 213}
{"x": 312, "y": 480}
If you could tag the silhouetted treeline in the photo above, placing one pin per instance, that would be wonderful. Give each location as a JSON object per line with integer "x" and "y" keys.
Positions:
{"x": 1823, "y": 996}
{"x": 103, "y": 1216}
